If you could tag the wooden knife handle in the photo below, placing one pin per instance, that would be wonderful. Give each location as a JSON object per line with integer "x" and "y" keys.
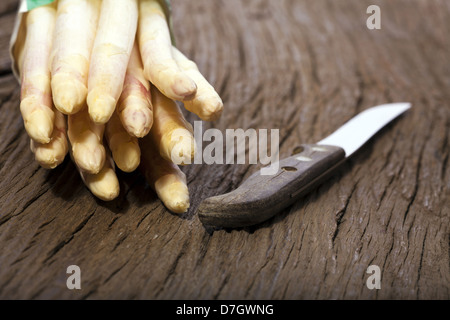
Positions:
{"x": 262, "y": 196}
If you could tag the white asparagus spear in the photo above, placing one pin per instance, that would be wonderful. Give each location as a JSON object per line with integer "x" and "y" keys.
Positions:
{"x": 124, "y": 148}
{"x": 166, "y": 178}
{"x": 110, "y": 55}
{"x": 52, "y": 154}
{"x": 86, "y": 141}
{"x": 207, "y": 104}
{"x": 171, "y": 133}
{"x": 36, "y": 102}
{"x": 104, "y": 185}
{"x": 17, "y": 49}
{"x": 156, "y": 51}
{"x": 134, "y": 107}
{"x": 76, "y": 25}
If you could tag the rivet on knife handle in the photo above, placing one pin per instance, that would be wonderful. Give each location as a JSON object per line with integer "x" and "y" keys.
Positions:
{"x": 262, "y": 196}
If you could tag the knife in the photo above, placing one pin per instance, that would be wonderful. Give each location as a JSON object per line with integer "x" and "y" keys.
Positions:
{"x": 260, "y": 197}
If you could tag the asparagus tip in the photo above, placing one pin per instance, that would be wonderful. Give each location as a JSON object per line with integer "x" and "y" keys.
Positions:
{"x": 104, "y": 185}
{"x": 88, "y": 158}
{"x": 184, "y": 87}
{"x": 39, "y": 126}
{"x": 127, "y": 156}
{"x": 68, "y": 94}
{"x": 137, "y": 122}
{"x": 101, "y": 108}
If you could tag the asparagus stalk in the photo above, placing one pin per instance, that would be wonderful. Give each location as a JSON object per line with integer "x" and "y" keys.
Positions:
{"x": 36, "y": 101}
{"x": 124, "y": 148}
{"x": 110, "y": 55}
{"x": 76, "y": 25}
{"x": 52, "y": 154}
{"x": 172, "y": 135}
{"x": 86, "y": 140}
{"x": 155, "y": 45}
{"x": 166, "y": 178}
{"x": 134, "y": 106}
{"x": 207, "y": 104}
{"x": 104, "y": 185}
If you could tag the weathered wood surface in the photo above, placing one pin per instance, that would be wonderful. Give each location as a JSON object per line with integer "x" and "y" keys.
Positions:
{"x": 305, "y": 67}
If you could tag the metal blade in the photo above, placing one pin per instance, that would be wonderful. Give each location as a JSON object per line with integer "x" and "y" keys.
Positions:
{"x": 352, "y": 135}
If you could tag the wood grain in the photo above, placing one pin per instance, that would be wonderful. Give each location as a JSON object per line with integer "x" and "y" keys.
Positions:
{"x": 305, "y": 67}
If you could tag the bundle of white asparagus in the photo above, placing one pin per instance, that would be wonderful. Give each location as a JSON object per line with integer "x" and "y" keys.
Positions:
{"x": 100, "y": 80}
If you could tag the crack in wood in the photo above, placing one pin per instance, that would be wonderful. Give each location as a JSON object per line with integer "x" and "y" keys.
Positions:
{"x": 68, "y": 239}
{"x": 340, "y": 215}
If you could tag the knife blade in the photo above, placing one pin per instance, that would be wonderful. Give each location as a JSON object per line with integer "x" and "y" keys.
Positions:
{"x": 260, "y": 197}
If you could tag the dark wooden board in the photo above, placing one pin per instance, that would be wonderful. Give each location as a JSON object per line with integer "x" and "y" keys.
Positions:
{"x": 304, "y": 67}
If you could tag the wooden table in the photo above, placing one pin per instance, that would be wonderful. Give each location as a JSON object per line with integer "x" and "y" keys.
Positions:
{"x": 304, "y": 67}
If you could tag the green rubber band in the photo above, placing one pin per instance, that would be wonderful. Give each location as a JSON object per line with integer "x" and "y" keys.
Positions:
{"x": 31, "y": 4}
